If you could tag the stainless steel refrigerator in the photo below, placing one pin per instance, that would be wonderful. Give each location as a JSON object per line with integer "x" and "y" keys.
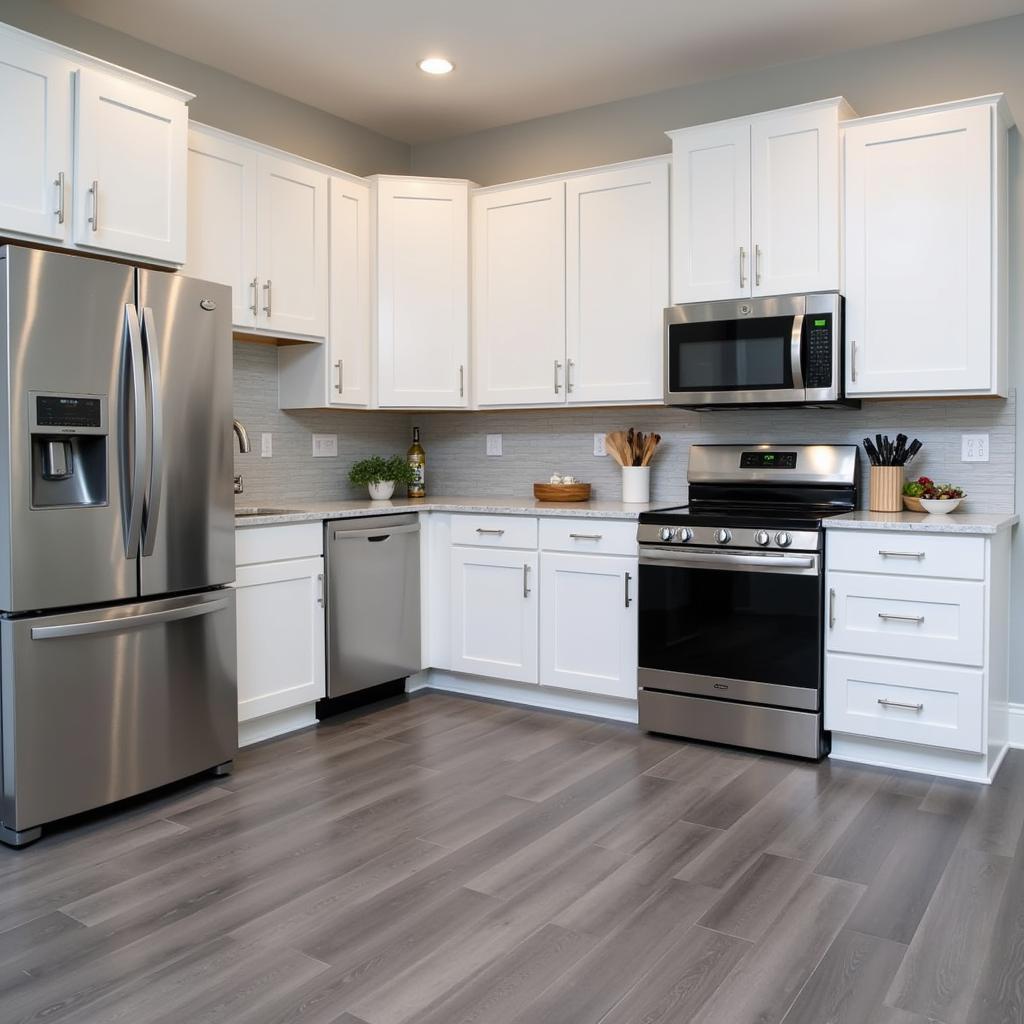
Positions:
{"x": 117, "y": 631}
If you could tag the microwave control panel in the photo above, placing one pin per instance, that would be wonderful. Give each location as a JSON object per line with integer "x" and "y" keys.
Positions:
{"x": 818, "y": 372}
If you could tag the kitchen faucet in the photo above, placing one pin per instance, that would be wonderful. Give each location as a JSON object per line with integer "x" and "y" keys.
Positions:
{"x": 243, "y": 446}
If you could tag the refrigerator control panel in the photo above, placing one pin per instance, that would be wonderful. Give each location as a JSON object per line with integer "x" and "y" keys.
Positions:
{"x": 67, "y": 414}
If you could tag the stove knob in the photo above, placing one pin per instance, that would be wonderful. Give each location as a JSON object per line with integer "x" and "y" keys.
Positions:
{"x": 683, "y": 534}
{"x": 783, "y": 539}
{"x": 762, "y": 537}
{"x": 723, "y": 536}
{"x": 667, "y": 533}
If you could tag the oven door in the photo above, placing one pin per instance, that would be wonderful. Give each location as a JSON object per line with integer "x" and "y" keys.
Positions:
{"x": 735, "y": 353}
{"x": 738, "y": 625}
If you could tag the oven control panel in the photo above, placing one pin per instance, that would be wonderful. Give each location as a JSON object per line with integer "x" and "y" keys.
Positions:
{"x": 768, "y": 460}
{"x": 729, "y": 537}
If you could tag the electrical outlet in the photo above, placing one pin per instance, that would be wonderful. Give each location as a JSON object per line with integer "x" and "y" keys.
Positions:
{"x": 494, "y": 444}
{"x": 266, "y": 445}
{"x": 599, "y": 448}
{"x": 325, "y": 446}
{"x": 974, "y": 447}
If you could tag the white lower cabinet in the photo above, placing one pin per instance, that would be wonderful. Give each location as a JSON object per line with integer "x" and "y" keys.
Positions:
{"x": 588, "y": 623}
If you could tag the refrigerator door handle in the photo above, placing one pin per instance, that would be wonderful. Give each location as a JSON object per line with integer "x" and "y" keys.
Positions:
{"x": 123, "y": 622}
{"x": 132, "y": 479}
{"x": 151, "y": 511}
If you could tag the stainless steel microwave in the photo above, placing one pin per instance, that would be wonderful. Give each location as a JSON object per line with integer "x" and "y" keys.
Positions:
{"x": 777, "y": 350}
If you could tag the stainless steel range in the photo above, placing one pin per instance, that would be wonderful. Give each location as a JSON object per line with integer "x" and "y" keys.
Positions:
{"x": 731, "y": 596}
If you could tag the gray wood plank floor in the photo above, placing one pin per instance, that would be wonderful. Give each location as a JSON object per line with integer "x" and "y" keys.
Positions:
{"x": 441, "y": 860}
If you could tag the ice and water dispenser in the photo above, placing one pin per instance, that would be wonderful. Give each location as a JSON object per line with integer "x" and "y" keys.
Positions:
{"x": 69, "y": 449}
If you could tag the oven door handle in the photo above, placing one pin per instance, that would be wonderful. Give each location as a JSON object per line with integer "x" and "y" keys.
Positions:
{"x": 729, "y": 561}
{"x": 796, "y": 344}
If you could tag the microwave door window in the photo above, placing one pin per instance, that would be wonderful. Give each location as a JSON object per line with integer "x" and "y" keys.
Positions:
{"x": 729, "y": 356}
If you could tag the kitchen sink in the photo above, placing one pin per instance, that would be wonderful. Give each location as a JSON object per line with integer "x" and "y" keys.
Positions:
{"x": 260, "y": 510}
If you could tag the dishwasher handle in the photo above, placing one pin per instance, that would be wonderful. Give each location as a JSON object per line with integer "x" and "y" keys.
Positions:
{"x": 375, "y": 535}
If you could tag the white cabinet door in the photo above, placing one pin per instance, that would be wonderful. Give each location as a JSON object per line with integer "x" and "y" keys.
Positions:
{"x": 35, "y": 137}
{"x": 292, "y": 247}
{"x": 616, "y": 284}
{"x": 588, "y": 633}
{"x": 348, "y": 335}
{"x": 281, "y": 646}
{"x": 494, "y": 613}
{"x": 222, "y": 219}
{"x": 422, "y": 292}
{"x": 919, "y": 254}
{"x": 131, "y": 157}
{"x": 795, "y": 201}
{"x": 519, "y": 295}
{"x": 711, "y": 213}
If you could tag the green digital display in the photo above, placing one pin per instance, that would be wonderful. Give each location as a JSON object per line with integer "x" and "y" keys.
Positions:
{"x": 820, "y": 323}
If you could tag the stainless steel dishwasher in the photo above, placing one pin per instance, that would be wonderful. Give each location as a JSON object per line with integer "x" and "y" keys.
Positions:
{"x": 373, "y": 601}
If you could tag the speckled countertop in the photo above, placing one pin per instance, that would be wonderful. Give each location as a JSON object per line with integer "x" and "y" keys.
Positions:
{"x": 922, "y": 522}
{"x": 311, "y": 511}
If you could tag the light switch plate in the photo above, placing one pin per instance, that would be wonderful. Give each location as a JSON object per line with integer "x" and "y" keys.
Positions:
{"x": 599, "y": 448}
{"x": 494, "y": 444}
{"x": 266, "y": 445}
{"x": 325, "y": 446}
{"x": 974, "y": 447}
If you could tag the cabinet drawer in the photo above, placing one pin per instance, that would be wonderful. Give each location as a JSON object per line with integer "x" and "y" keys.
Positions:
{"x": 906, "y": 554}
{"x": 495, "y": 531}
{"x": 893, "y": 700}
{"x": 277, "y": 543}
{"x": 588, "y": 536}
{"x": 920, "y": 620}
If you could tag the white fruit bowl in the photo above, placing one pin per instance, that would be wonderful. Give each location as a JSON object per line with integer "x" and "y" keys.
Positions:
{"x": 940, "y": 506}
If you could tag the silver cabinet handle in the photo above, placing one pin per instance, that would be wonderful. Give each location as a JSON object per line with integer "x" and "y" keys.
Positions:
{"x": 585, "y": 536}
{"x": 899, "y": 704}
{"x": 94, "y": 191}
{"x": 757, "y": 265}
{"x": 151, "y": 507}
{"x": 558, "y": 367}
{"x": 59, "y": 182}
{"x": 462, "y": 381}
{"x": 569, "y": 365}
{"x": 831, "y": 607}
{"x": 254, "y": 284}
{"x": 526, "y": 580}
{"x": 338, "y": 367}
{"x": 267, "y": 291}
{"x": 889, "y": 616}
{"x": 495, "y": 533}
{"x": 743, "y": 267}
{"x": 625, "y": 581}
{"x": 901, "y": 554}
{"x": 320, "y": 586}
{"x": 853, "y": 361}
{"x": 123, "y": 622}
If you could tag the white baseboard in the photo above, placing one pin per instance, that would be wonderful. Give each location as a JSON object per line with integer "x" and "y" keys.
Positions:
{"x": 545, "y": 697}
{"x": 256, "y": 730}
{"x": 1017, "y": 725}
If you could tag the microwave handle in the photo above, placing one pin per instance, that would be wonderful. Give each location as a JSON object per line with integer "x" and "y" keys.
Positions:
{"x": 796, "y": 344}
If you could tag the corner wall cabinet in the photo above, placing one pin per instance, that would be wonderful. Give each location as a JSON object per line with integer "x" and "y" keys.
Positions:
{"x": 94, "y": 155}
{"x": 756, "y": 204}
{"x": 926, "y": 251}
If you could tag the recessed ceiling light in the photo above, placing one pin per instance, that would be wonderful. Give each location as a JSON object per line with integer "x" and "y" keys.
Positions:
{"x": 436, "y": 65}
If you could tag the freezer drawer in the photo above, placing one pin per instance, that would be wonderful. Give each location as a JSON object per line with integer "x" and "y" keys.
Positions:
{"x": 103, "y": 704}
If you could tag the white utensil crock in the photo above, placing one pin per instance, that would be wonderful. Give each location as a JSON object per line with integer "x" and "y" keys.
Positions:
{"x": 636, "y": 484}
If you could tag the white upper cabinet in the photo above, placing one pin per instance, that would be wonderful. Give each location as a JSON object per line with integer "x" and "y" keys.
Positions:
{"x": 519, "y": 294}
{"x": 616, "y": 283}
{"x": 35, "y": 130}
{"x": 222, "y": 219}
{"x": 422, "y": 292}
{"x": 291, "y": 247}
{"x": 756, "y": 204}
{"x": 130, "y": 168}
{"x": 926, "y": 251}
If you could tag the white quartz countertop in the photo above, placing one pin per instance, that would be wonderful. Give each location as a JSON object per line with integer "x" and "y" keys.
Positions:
{"x": 310, "y": 511}
{"x": 922, "y": 522}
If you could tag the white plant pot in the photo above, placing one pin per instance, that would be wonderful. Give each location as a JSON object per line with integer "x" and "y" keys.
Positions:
{"x": 381, "y": 490}
{"x": 636, "y": 484}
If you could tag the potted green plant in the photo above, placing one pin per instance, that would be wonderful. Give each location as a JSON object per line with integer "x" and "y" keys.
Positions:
{"x": 380, "y": 475}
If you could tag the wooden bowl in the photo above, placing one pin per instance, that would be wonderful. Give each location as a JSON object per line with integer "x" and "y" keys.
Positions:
{"x": 912, "y": 504}
{"x": 561, "y": 492}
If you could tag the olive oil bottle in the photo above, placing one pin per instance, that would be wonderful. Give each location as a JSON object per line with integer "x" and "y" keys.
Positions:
{"x": 417, "y": 459}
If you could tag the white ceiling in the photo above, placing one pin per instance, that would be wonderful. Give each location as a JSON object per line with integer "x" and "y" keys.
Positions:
{"x": 514, "y": 60}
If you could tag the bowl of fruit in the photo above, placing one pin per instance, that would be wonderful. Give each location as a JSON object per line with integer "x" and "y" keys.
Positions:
{"x": 925, "y": 495}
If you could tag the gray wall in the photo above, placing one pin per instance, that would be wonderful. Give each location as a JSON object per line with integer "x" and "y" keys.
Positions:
{"x": 221, "y": 99}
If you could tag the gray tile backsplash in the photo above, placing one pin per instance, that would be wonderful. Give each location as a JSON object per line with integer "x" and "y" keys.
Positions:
{"x": 536, "y": 443}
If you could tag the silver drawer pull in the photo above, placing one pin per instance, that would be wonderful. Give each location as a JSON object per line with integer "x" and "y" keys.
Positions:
{"x": 902, "y": 554}
{"x": 899, "y": 704}
{"x": 889, "y": 616}
{"x": 494, "y": 533}
{"x": 585, "y": 536}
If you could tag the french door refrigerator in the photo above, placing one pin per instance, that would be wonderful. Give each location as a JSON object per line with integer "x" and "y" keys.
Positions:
{"x": 117, "y": 629}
